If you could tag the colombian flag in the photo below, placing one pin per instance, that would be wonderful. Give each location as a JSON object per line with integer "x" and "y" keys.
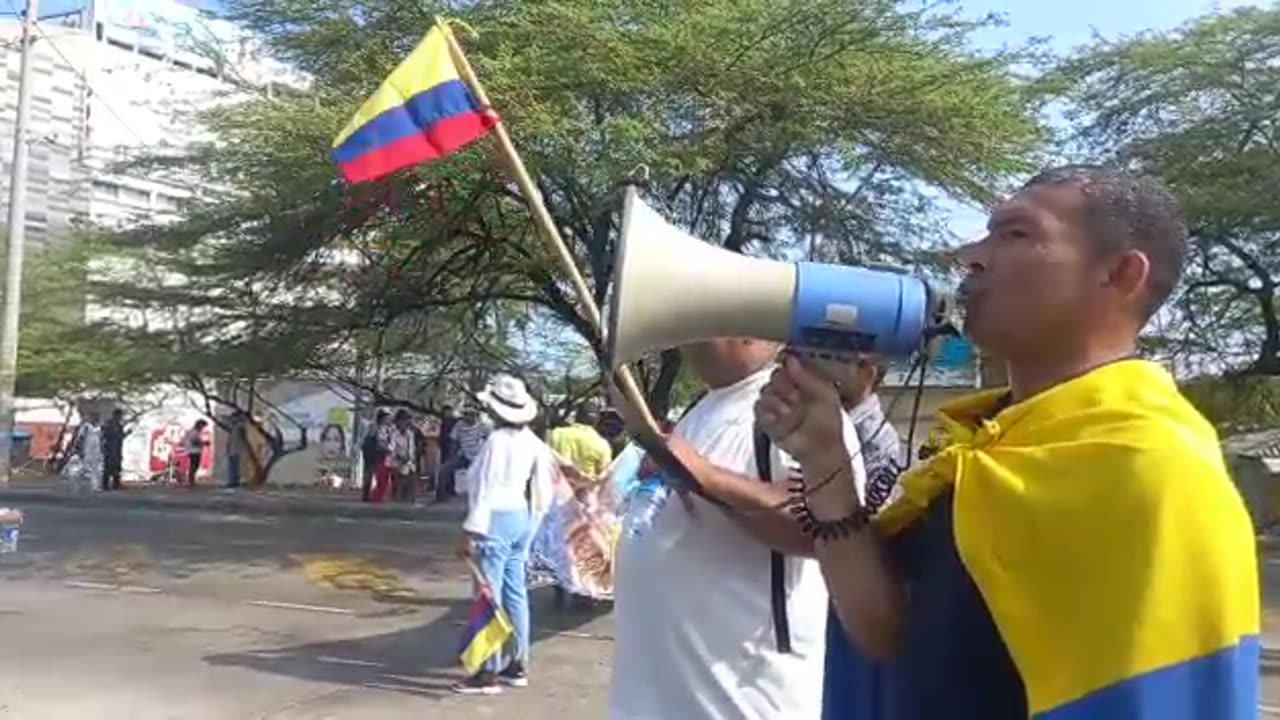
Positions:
{"x": 1100, "y": 526}
{"x": 487, "y": 629}
{"x": 422, "y": 111}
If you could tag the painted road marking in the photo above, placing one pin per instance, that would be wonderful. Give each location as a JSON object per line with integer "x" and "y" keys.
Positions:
{"x": 91, "y": 585}
{"x": 297, "y": 606}
{"x": 358, "y": 573}
{"x": 349, "y": 661}
{"x": 134, "y": 589}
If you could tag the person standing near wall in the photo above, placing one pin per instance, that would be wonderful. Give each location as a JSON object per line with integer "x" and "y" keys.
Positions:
{"x": 113, "y": 435}
{"x": 193, "y": 442}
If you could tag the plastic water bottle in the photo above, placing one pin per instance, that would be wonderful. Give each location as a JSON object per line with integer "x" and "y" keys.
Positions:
{"x": 644, "y": 505}
{"x": 10, "y": 526}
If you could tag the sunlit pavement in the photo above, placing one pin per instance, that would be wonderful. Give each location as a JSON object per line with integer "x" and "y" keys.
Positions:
{"x": 116, "y": 612}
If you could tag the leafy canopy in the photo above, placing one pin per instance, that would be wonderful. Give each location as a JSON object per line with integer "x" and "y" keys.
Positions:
{"x": 766, "y": 125}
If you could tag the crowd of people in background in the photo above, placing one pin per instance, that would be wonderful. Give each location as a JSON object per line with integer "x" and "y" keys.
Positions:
{"x": 398, "y": 465}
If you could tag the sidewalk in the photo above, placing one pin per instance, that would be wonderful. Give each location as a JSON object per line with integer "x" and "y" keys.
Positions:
{"x": 259, "y": 501}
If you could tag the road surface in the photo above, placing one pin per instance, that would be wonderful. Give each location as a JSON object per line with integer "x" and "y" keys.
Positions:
{"x": 178, "y": 614}
{"x": 185, "y": 615}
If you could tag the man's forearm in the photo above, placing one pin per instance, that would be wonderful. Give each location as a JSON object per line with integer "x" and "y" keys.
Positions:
{"x": 866, "y": 591}
{"x": 756, "y": 507}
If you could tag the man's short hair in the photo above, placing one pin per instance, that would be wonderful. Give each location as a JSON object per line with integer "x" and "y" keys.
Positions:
{"x": 881, "y": 365}
{"x": 1129, "y": 212}
{"x": 588, "y": 412}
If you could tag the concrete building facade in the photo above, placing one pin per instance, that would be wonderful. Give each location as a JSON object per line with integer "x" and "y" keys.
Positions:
{"x": 113, "y": 80}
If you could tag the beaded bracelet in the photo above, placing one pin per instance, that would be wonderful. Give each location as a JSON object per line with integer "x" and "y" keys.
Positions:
{"x": 823, "y": 529}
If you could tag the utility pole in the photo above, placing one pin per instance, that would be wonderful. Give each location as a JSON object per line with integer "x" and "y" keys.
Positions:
{"x": 17, "y": 241}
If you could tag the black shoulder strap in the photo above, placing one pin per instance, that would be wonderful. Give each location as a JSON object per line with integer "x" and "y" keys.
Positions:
{"x": 696, "y": 399}
{"x": 777, "y": 562}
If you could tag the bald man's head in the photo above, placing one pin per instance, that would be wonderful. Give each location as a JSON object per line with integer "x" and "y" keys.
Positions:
{"x": 724, "y": 361}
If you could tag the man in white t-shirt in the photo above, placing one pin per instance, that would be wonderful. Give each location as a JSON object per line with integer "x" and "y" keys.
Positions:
{"x": 698, "y": 596}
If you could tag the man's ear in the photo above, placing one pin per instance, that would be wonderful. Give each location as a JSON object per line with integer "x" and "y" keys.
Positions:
{"x": 1129, "y": 272}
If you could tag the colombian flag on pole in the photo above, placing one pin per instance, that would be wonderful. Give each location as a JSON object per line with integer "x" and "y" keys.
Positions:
{"x": 487, "y": 627}
{"x": 1108, "y": 541}
{"x": 422, "y": 111}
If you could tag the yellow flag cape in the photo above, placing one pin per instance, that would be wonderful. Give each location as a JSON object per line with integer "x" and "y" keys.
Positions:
{"x": 1101, "y": 527}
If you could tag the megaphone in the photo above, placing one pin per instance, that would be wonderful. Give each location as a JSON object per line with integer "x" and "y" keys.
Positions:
{"x": 670, "y": 289}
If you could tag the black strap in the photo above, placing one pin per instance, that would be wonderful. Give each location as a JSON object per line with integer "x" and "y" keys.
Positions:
{"x": 777, "y": 562}
{"x": 528, "y": 485}
{"x": 689, "y": 408}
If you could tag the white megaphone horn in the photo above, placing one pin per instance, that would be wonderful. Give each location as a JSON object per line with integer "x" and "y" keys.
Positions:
{"x": 670, "y": 289}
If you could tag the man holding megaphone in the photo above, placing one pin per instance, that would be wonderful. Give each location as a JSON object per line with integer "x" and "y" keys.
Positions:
{"x": 1074, "y": 547}
{"x": 1071, "y": 548}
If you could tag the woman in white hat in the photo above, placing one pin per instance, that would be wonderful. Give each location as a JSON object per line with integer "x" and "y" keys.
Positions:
{"x": 510, "y": 489}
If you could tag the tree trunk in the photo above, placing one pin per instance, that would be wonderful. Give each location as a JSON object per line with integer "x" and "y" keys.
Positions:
{"x": 659, "y": 395}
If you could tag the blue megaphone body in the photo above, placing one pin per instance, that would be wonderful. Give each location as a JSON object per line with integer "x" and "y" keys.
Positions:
{"x": 672, "y": 289}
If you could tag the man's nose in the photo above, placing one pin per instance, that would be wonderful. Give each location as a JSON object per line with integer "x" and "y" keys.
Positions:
{"x": 968, "y": 256}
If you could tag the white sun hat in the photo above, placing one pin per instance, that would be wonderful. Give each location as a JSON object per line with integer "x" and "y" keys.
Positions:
{"x": 508, "y": 399}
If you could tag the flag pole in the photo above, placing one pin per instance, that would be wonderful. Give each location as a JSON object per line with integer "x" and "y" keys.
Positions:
{"x": 622, "y": 377}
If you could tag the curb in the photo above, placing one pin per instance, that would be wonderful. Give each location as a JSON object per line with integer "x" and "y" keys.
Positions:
{"x": 241, "y": 504}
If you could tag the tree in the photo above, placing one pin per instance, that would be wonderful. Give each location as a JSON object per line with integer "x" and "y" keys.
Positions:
{"x": 763, "y": 123}
{"x": 1197, "y": 107}
{"x": 1236, "y": 403}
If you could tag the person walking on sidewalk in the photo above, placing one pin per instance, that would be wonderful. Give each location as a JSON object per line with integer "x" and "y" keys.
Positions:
{"x": 467, "y": 437}
{"x": 193, "y": 442}
{"x": 237, "y": 446}
{"x": 581, "y": 444}
{"x": 510, "y": 490}
{"x": 373, "y": 454}
{"x": 403, "y": 459}
{"x": 89, "y": 447}
{"x": 113, "y": 435}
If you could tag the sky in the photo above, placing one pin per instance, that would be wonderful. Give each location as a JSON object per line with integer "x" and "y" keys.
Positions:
{"x": 1069, "y": 25}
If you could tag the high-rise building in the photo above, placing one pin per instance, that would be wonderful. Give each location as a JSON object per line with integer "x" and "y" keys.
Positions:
{"x": 113, "y": 80}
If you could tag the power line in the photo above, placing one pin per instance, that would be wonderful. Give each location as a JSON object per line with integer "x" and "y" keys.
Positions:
{"x": 84, "y": 78}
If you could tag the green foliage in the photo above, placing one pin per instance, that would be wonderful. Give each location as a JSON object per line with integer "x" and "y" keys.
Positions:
{"x": 1197, "y": 108}
{"x": 762, "y": 123}
{"x": 1236, "y": 404}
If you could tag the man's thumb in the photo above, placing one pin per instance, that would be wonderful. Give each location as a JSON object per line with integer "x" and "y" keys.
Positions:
{"x": 811, "y": 382}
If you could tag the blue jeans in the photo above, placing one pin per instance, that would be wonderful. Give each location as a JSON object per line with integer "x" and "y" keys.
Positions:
{"x": 233, "y": 472}
{"x": 502, "y": 556}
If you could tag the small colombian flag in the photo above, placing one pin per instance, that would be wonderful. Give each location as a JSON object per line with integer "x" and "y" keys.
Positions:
{"x": 487, "y": 630}
{"x": 422, "y": 111}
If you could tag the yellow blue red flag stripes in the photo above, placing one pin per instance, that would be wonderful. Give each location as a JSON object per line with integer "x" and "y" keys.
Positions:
{"x": 1103, "y": 532}
{"x": 422, "y": 111}
{"x": 487, "y": 630}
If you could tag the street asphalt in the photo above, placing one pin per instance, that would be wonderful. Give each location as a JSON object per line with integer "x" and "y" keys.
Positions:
{"x": 145, "y": 613}
{"x": 116, "y": 610}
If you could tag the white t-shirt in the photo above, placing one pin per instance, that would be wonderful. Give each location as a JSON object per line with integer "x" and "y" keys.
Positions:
{"x": 695, "y": 635}
{"x": 510, "y": 461}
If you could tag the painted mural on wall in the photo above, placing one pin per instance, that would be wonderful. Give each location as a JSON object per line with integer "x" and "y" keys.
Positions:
{"x": 326, "y": 461}
{"x": 954, "y": 364}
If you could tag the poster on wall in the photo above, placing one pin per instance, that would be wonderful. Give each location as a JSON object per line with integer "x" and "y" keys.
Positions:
{"x": 326, "y": 461}
{"x": 169, "y": 457}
